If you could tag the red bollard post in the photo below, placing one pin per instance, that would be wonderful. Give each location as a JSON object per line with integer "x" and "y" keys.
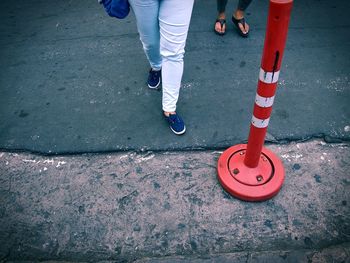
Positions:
{"x": 250, "y": 171}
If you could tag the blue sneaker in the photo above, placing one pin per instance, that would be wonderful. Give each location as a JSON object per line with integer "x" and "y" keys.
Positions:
{"x": 177, "y": 125}
{"x": 154, "y": 78}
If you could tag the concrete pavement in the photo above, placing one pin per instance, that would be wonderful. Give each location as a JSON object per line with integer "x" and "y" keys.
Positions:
{"x": 85, "y": 177}
{"x": 169, "y": 207}
{"x": 74, "y": 80}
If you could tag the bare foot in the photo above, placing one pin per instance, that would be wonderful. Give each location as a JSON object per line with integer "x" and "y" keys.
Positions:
{"x": 220, "y": 28}
{"x": 239, "y": 14}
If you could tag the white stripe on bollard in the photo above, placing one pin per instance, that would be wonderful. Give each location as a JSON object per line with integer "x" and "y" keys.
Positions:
{"x": 264, "y": 102}
{"x": 268, "y": 77}
{"x": 259, "y": 123}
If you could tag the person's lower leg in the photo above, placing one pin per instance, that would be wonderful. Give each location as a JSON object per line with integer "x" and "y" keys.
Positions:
{"x": 241, "y": 7}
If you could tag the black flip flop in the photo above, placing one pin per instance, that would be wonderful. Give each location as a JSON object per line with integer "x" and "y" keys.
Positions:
{"x": 240, "y": 21}
{"x": 222, "y": 23}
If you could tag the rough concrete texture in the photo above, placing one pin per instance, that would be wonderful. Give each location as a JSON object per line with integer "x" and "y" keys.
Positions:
{"x": 73, "y": 80}
{"x": 169, "y": 207}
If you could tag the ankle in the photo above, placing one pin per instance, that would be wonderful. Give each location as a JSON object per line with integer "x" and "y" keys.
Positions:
{"x": 167, "y": 113}
{"x": 238, "y": 14}
{"x": 222, "y": 15}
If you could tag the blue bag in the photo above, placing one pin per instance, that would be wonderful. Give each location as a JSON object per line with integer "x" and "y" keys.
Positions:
{"x": 116, "y": 8}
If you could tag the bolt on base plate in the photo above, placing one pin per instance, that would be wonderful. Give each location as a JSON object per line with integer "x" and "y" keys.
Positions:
{"x": 250, "y": 184}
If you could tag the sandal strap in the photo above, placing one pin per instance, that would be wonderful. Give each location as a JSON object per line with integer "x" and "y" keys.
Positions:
{"x": 243, "y": 23}
{"x": 238, "y": 21}
{"x": 221, "y": 21}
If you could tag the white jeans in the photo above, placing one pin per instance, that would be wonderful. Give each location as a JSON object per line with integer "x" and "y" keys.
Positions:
{"x": 163, "y": 27}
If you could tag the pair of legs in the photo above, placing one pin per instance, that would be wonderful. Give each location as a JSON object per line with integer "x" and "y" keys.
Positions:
{"x": 237, "y": 17}
{"x": 163, "y": 27}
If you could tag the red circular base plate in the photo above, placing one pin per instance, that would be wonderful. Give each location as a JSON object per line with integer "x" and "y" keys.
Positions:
{"x": 250, "y": 184}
